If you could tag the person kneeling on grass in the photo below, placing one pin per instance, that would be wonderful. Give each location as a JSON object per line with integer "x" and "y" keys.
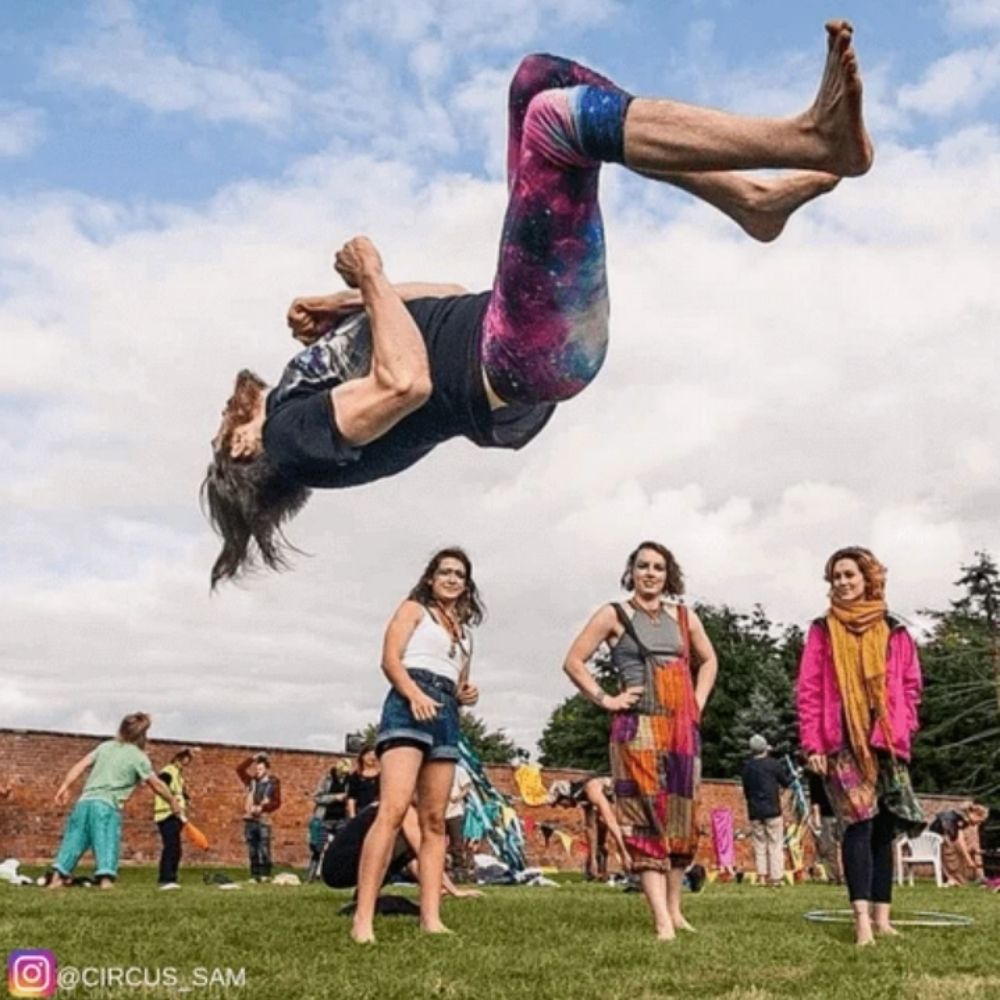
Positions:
{"x": 342, "y": 861}
{"x": 116, "y": 767}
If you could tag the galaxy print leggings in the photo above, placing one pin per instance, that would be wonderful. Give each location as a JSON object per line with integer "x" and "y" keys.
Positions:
{"x": 545, "y": 333}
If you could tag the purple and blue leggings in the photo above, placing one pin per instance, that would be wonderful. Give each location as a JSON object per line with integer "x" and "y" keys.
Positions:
{"x": 546, "y": 328}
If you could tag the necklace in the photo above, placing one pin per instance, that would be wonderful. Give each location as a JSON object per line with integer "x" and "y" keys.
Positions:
{"x": 653, "y": 616}
{"x": 455, "y": 633}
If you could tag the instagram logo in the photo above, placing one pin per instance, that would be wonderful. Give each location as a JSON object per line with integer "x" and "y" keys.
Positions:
{"x": 31, "y": 973}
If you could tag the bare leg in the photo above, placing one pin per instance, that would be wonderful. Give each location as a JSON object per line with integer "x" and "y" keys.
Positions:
{"x": 675, "y": 886}
{"x": 880, "y": 920}
{"x": 862, "y": 923}
{"x": 398, "y": 781}
{"x": 667, "y": 136}
{"x": 433, "y": 787}
{"x": 760, "y": 207}
{"x": 654, "y": 888}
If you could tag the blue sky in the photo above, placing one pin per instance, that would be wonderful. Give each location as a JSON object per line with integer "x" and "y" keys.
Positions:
{"x": 172, "y": 175}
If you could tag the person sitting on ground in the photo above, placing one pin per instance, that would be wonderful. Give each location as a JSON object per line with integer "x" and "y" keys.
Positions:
{"x": 342, "y": 860}
{"x": 116, "y": 767}
{"x": 374, "y": 393}
{"x": 594, "y": 795}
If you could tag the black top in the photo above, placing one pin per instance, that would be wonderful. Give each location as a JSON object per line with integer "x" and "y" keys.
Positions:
{"x": 949, "y": 823}
{"x": 818, "y": 796}
{"x": 763, "y": 779}
{"x": 334, "y": 784}
{"x": 301, "y": 437}
{"x": 363, "y": 790}
{"x": 343, "y": 856}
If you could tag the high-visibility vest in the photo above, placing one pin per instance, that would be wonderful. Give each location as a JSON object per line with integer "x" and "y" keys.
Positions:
{"x": 161, "y": 808}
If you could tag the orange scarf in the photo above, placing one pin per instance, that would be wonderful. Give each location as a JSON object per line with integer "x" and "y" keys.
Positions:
{"x": 859, "y": 637}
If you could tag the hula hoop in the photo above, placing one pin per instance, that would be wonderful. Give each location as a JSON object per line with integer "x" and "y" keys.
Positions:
{"x": 906, "y": 918}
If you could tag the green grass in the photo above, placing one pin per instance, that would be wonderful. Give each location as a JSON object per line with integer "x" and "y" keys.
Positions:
{"x": 577, "y": 941}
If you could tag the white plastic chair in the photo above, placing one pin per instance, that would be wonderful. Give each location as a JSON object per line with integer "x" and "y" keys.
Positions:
{"x": 923, "y": 850}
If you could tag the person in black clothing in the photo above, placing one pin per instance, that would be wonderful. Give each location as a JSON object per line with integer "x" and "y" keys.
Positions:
{"x": 329, "y": 815}
{"x": 363, "y": 782}
{"x": 428, "y": 363}
{"x": 763, "y": 780}
{"x": 342, "y": 859}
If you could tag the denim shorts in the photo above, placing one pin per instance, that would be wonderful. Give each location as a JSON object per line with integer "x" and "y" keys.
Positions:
{"x": 438, "y": 737}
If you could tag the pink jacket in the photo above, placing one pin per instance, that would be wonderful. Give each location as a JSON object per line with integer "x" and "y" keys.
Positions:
{"x": 821, "y": 726}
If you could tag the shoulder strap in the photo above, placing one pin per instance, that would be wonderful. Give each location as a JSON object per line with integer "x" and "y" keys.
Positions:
{"x": 626, "y": 623}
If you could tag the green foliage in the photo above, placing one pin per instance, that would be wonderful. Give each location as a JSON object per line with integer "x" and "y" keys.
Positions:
{"x": 958, "y": 748}
{"x": 576, "y": 734}
{"x": 491, "y": 747}
{"x": 754, "y": 692}
{"x": 518, "y": 943}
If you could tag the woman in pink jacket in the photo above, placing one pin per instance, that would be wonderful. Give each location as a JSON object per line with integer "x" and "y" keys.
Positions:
{"x": 858, "y": 691}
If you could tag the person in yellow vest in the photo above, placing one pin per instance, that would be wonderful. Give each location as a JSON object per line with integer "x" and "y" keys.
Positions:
{"x": 170, "y": 824}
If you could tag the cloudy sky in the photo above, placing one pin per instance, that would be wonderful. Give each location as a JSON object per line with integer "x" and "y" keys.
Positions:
{"x": 172, "y": 175}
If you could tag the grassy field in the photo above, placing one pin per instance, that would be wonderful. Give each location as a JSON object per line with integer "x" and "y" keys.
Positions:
{"x": 576, "y": 941}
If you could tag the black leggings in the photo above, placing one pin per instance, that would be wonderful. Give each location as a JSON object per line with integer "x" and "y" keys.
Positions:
{"x": 867, "y": 858}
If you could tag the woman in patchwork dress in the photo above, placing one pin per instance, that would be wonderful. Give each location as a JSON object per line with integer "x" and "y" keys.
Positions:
{"x": 667, "y": 668}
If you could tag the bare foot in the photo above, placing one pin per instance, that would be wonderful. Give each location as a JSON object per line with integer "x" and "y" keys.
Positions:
{"x": 362, "y": 935}
{"x": 680, "y": 924}
{"x": 106, "y": 883}
{"x": 767, "y": 205}
{"x": 435, "y": 928}
{"x": 863, "y": 932}
{"x": 57, "y": 882}
{"x": 666, "y": 933}
{"x": 886, "y": 930}
{"x": 835, "y": 117}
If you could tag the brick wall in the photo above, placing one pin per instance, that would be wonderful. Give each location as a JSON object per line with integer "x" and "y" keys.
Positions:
{"x": 34, "y": 762}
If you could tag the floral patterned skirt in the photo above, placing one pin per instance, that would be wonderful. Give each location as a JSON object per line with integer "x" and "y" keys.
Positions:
{"x": 856, "y": 799}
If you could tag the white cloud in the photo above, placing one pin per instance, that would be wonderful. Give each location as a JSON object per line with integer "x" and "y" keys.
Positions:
{"x": 974, "y": 13}
{"x": 21, "y": 129}
{"x": 121, "y": 54}
{"x": 959, "y": 80}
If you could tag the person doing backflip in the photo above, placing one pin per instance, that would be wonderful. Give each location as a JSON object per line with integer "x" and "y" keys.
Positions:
{"x": 389, "y": 372}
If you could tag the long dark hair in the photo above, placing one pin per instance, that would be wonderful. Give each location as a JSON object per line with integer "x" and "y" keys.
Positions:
{"x": 469, "y": 607}
{"x": 246, "y": 502}
{"x": 674, "y": 585}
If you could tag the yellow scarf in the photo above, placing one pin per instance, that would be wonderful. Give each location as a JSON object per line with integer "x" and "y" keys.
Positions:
{"x": 859, "y": 636}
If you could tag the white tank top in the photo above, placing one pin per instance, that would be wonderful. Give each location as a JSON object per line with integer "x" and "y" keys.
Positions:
{"x": 432, "y": 648}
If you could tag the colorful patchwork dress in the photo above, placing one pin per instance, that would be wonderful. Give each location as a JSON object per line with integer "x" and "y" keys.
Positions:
{"x": 655, "y": 749}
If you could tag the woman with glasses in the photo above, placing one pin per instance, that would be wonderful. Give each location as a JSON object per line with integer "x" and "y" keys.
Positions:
{"x": 426, "y": 655}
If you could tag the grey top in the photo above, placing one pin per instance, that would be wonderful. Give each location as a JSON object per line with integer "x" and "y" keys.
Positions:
{"x": 662, "y": 638}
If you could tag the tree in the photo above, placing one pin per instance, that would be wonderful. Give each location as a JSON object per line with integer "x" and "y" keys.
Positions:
{"x": 494, "y": 747}
{"x": 491, "y": 747}
{"x": 958, "y": 748}
{"x": 754, "y": 692}
{"x": 576, "y": 734}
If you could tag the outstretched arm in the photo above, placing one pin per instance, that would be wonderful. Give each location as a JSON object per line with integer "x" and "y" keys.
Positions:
{"x": 399, "y": 381}
{"x": 62, "y": 795}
